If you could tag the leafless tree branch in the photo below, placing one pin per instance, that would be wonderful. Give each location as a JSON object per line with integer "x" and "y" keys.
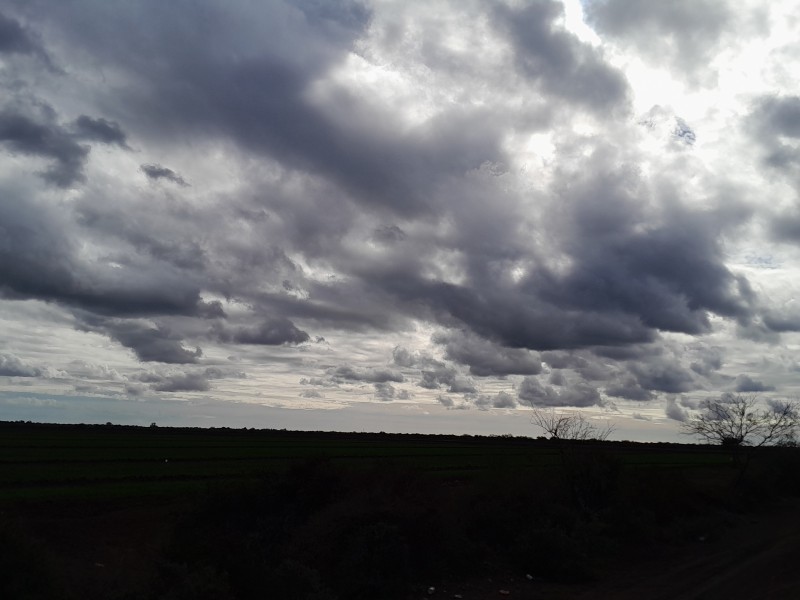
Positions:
{"x": 737, "y": 420}
{"x": 569, "y": 426}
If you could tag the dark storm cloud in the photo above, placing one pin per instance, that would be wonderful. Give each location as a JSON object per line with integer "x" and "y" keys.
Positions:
{"x": 323, "y": 209}
{"x": 486, "y": 359}
{"x": 248, "y": 77}
{"x": 12, "y": 366}
{"x": 100, "y": 130}
{"x": 187, "y": 381}
{"x": 24, "y": 135}
{"x": 629, "y": 388}
{"x": 348, "y": 373}
{"x": 663, "y": 376}
{"x": 40, "y": 259}
{"x": 275, "y": 331}
{"x": 782, "y": 321}
{"x": 517, "y": 318}
{"x": 587, "y": 367}
{"x": 265, "y": 107}
{"x": 555, "y": 58}
{"x": 745, "y": 383}
{"x": 669, "y": 275}
{"x": 14, "y": 39}
{"x": 156, "y": 172}
{"x": 774, "y": 124}
{"x": 533, "y": 393}
{"x": 683, "y": 33}
{"x": 148, "y": 342}
{"x": 155, "y": 234}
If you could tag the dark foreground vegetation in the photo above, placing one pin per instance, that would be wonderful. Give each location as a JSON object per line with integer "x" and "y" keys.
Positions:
{"x": 161, "y": 513}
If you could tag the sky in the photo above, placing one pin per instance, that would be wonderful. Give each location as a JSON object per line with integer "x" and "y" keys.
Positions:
{"x": 397, "y": 216}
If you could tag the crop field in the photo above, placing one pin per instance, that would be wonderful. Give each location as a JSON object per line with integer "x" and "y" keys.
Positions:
{"x": 153, "y": 513}
{"x": 40, "y": 461}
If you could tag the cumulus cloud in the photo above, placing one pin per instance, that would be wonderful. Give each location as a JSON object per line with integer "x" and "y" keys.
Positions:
{"x": 745, "y": 383}
{"x": 533, "y": 393}
{"x": 663, "y": 376}
{"x": 676, "y": 412}
{"x": 181, "y": 381}
{"x": 486, "y": 359}
{"x": 376, "y": 376}
{"x": 682, "y": 34}
{"x": 150, "y": 343}
{"x": 434, "y": 373}
{"x": 12, "y": 366}
{"x": 273, "y": 331}
{"x": 558, "y": 61}
{"x": 499, "y": 400}
{"x": 628, "y": 387}
{"x": 184, "y": 382}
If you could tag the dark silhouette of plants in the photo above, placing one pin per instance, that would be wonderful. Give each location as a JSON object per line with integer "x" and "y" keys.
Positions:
{"x": 569, "y": 426}
{"x": 735, "y": 420}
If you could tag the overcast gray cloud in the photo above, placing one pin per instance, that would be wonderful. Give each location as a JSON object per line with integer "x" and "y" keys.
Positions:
{"x": 355, "y": 195}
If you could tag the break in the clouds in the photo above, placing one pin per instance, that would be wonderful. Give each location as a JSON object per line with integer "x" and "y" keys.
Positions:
{"x": 471, "y": 205}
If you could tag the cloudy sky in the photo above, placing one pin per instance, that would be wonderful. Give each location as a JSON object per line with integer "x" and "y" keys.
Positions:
{"x": 399, "y": 216}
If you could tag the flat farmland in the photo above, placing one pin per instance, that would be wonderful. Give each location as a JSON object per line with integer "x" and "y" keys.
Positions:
{"x": 40, "y": 461}
{"x": 154, "y": 513}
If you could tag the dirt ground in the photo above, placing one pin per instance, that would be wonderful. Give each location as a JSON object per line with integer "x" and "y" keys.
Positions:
{"x": 757, "y": 558}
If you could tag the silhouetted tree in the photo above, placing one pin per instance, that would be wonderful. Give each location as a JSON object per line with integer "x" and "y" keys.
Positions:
{"x": 738, "y": 420}
{"x": 569, "y": 426}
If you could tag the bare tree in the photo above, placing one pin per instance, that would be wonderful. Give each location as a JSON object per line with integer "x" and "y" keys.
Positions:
{"x": 737, "y": 420}
{"x": 569, "y": 426}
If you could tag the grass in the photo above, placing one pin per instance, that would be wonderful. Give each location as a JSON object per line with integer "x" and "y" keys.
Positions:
{"x": 309, "y": 515}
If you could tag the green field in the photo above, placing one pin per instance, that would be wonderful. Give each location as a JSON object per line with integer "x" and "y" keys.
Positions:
{"x": 118, "y": 512}
{"x": 39, "y": 461}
